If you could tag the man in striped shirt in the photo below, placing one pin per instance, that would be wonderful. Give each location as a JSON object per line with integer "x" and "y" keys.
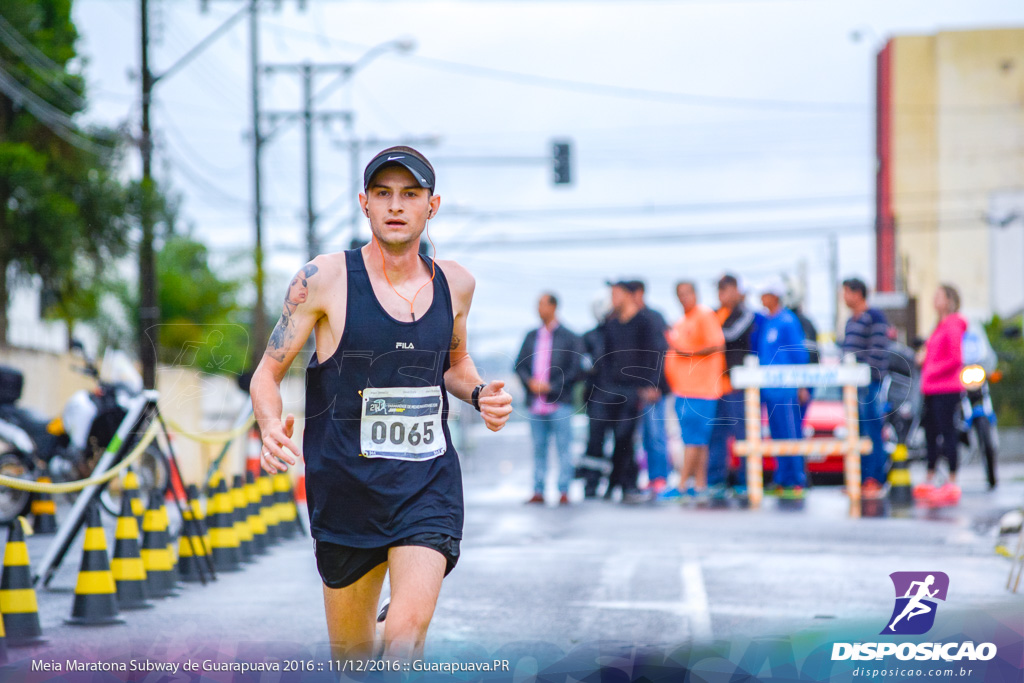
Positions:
{"x": 867, "y": 338}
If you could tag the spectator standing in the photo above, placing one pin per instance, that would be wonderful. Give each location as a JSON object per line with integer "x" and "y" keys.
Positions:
{"x": 627, "y": 376}
{"x": 549, "y": 365}
{"x": 739, "y": 325}
{"x": 941, "y": 361}
{"x": 695, "y": 367}
{"x": 594, "y": 465}
{"x": 781, "y": 342}
{"x": 867, "y": 337}
{"x": 652, "y": 415}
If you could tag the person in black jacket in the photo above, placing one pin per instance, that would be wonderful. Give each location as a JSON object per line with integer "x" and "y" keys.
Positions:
{"x": 627, "y": 376}
{"x": 549, "y": 365}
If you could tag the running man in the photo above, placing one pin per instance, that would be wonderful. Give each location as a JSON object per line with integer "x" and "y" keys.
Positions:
{"x": 915, "y": 607}
{"x": 383, "y": 481}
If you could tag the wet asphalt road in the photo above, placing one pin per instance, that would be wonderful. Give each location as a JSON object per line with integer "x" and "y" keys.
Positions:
{"x": 647, "y": 574}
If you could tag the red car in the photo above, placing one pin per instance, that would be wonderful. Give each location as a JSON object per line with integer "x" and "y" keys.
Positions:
{"x": 825, "y": 419}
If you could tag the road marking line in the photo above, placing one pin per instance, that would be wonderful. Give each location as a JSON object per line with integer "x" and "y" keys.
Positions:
{"x": 695, "y": 597}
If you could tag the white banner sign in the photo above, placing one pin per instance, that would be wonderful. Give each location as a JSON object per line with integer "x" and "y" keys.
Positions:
{"x": 812, "y": 375}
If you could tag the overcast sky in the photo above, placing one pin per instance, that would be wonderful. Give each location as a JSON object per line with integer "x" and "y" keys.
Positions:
{"x": 737, "y": 119}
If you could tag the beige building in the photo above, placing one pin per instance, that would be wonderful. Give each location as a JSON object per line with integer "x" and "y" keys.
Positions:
{"x": 950, "y": 186}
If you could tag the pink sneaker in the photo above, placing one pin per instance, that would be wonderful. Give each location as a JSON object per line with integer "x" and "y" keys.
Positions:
{"x": 947, "y": 494}
{"x": 923, "y": 492}
{"x": 657, "y": 486}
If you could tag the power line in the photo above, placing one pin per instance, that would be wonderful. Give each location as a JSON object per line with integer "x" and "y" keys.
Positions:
{"x": 39, "y": 62}
{"x": 52, "y": 118}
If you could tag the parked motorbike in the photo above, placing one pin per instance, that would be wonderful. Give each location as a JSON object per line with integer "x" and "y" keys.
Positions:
{"x": 67, "y": 448}
{"x": 976, "y": 419}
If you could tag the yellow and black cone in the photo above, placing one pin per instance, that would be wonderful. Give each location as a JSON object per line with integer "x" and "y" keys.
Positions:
{"x": 900, "y": 492}
{"x": 256, "y": 521}
{"x": 223, "y": 539}
{"x": 240, "y": 502}
{"x": 191, "y": 551}
{"x": 131, "y": 491}
{"x": 3, "y": 642}
{"x": 157, "y": 557}
{"x": 127, "y": 566}
{"x": 199, "y": 517}
{"x": 17, "y": 597}
{"x": 287, "y": 513}
{"x": 268, "y": 508}
{"x": 44, "y": 511}
{"x": 95, "y": 592}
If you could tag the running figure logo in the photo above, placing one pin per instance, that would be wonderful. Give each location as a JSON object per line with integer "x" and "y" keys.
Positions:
{"x": 916, "y": 593}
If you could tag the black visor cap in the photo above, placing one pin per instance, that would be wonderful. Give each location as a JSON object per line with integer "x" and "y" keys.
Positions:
{"x": 420, "y": 171}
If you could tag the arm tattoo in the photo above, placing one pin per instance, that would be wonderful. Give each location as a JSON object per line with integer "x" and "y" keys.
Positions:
{"x": 284, "y": 331}
{"x": 456, "y": 340}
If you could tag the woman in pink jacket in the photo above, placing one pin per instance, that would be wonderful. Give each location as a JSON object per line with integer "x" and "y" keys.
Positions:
{"x": 940, "y": 385}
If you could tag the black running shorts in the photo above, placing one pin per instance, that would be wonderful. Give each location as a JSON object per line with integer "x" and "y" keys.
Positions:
{"x": 341, "y": 565}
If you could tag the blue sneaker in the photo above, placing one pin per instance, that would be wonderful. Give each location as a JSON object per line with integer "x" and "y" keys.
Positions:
{"x": 670, "y": 494}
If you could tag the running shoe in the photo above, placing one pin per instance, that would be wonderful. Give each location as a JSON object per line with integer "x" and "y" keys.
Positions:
{"x": 564, "y": 500}
{"x": 536, "y": 499}
{"x": 947, "y": 494}
{"x": 635, "y": 496}
{"x": 718, "y": 492}
{"x": 657, "y": 485}
{"x": 672, "y": 494}
{"x": 739, "y": 491}
{"x": 872, "y": 490}
{"x": 924, "y": 491}
{"x": 792, "y": 493}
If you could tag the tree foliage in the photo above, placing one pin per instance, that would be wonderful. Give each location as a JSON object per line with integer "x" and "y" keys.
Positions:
{"x": 62, "y": 206}
{"x": 1008, "y": 392}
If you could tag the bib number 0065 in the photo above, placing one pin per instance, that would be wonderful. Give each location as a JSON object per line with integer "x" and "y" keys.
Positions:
{"x": 402, "y": 423}
{"x": 396, "y": 434}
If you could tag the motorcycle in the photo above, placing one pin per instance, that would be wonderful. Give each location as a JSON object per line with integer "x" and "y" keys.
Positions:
{"x": 67, "y": 447}
{"x": 976, "y": 418}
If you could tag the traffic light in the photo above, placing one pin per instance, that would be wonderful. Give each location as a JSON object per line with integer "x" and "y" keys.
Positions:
{"x": 562, "y": 161}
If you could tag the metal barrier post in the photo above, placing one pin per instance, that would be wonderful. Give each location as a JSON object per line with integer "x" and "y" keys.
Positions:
{"x": 143, "y": 405}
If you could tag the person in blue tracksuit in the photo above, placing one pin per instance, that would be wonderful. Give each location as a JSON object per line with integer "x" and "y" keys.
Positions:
{"x": 781, "y": 342}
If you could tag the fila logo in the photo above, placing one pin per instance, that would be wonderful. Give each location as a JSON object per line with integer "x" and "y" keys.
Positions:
{"x": 405, "y": 345}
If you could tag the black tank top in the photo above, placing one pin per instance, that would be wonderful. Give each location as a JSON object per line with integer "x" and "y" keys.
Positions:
{"x": 376, "y": 417}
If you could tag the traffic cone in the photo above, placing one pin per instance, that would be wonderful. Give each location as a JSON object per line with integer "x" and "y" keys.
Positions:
{"x": 199, "y": 517}
{"x": 191, "y": 550}
{"x": 95, "y": 592}
{"x": 157, "y": 557}
{"x": 17, "y": 597}
{"x": 131, "y": 490}
{"x": 286, "y": 513}
{"x": 255, "y": 519}
{"x": 223, "y": 538}
{"x": 3, "y": 642}
{"x": 268, "y": 508}
{"x": 900, "y": 492}
{"x": 44, "y": 511}
{"x": 253, "y": 448}
{"x": 127, "y": 566}
{"x": 240, "y": 502}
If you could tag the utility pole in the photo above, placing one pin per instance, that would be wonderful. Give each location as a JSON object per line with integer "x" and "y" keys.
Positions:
{"x": 833, "y": 272}
{"x": 260, "y": 332}
{"x": 149, "y": 309}
{"x": 308, "y": 115}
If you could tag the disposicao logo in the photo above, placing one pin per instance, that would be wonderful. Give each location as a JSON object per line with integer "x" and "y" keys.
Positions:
{"x": 916, "y": 595}
{"x": 913, "y": 614}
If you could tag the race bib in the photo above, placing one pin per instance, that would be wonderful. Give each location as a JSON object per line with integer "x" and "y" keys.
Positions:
{"x": 402, "y": 423}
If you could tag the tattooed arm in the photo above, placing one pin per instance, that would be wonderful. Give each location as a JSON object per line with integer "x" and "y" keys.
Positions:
{"x": 300, "y": 313}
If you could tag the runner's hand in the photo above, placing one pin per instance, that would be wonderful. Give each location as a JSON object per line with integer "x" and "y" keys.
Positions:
{"x": 495, "y": 405}
{"x": 276, "y": 438}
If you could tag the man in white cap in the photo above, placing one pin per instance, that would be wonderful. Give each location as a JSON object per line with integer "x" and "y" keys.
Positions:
{"x": 781, "y": 342}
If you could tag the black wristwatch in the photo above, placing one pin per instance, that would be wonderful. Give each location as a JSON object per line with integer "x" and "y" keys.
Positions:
{"x": 476, "y": 396}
